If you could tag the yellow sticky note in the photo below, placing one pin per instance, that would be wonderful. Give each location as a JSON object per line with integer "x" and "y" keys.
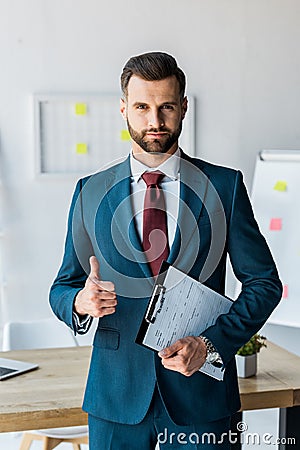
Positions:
{"x": 280, "y": 185}
{"x": 80, "y": 109}
{"x": 81, "y": 148}
{"x": 125, "y": 136}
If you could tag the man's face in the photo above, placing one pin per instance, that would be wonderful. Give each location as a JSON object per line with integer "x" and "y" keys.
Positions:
{"x": 154, "y": 113}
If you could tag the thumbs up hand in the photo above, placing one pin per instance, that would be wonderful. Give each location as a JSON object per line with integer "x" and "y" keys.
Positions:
{"x": 97, "y": 298}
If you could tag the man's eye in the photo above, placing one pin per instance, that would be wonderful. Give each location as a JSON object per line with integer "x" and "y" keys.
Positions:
{"x": 141, "y": 107}
{"x": 168, "y": 107}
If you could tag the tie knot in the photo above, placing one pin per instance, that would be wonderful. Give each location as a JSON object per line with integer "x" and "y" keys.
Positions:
{"x": 153, "y": 178}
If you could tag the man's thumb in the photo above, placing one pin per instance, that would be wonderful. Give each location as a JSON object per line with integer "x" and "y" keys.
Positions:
{"x": 95, "y": 268}
{"x": 171, "y": 350}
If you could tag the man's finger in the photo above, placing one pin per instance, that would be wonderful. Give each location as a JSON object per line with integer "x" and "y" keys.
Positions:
{"x": 94, "y": 269}
{"x": 170, "y": 351}
{"x": 94, "y": 276}
{"x": 105, "y": 285}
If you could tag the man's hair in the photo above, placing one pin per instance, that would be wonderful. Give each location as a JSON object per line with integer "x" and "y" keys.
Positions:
{"x": 152, "y": 66}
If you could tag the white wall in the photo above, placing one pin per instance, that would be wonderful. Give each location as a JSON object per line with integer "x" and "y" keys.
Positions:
{"x": 242, "y": 61}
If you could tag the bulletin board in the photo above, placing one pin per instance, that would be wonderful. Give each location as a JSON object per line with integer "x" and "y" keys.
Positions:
{"x": 276, "y": 203}
{"x": 79, "y": 134}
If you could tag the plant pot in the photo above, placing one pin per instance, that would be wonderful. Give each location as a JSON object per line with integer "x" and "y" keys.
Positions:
{"x": 246, "y": 365}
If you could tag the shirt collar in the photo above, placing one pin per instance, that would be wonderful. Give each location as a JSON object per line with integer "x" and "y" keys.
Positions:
{"x": 170, "y": 167}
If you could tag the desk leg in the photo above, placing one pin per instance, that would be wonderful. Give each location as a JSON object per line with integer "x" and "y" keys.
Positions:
{"x": 289, "y": 428}
{"x": 235, "y": 419}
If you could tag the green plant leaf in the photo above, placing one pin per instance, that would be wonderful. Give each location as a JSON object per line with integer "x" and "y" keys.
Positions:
{"x": 253, "y": 346}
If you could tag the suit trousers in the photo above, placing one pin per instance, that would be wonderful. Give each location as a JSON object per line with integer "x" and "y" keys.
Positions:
{"x": 158, "y": 428}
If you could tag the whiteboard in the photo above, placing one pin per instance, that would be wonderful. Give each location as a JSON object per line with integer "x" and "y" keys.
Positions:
{"x": 276, "y": 203}
{"x": 80, "y": 134}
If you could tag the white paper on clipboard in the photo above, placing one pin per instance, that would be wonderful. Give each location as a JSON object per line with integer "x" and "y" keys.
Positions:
{"x": 181, "y": 306}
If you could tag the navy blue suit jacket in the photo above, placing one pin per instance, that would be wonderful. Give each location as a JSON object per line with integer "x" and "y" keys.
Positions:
{"x": 215, "y": 220}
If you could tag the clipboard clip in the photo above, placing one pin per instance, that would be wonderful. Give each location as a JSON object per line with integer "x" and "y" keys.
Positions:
{"x": 155, "y": 303}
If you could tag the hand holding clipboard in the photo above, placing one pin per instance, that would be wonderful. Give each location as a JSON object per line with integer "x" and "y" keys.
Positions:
{"x": 179, "y": 307}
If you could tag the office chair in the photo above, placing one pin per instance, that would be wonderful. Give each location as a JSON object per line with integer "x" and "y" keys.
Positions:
{"x": 46, "y": 333}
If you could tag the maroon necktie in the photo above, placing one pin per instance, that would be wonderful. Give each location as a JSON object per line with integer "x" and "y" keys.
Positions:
{"x": 155, "y": 235}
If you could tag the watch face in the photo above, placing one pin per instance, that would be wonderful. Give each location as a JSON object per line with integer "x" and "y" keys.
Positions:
{"x": 212, "y": 357}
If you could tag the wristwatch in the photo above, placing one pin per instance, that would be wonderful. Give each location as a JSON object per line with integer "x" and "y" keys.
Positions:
{"x": 212, "y": 357}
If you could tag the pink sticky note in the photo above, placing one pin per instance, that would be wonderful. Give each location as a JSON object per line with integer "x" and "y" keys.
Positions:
{"x": 285, "y": 291}
{"x": 276, "y": 224}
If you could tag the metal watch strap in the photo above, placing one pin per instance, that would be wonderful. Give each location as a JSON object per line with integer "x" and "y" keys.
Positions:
{"x": 213, "y": 357}
{"x": 209, "y": 346}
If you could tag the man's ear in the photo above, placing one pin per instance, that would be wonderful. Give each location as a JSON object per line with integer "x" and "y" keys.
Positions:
{"x": 123, "y": 108}
{"x": 184, "y": 107}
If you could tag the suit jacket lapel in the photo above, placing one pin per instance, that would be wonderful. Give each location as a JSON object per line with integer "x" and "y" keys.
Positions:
{"x": 193, "y": 188}
{"x": 119, "y": 200}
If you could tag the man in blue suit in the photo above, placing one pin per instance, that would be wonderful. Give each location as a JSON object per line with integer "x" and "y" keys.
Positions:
{"x": 134, "y": 396}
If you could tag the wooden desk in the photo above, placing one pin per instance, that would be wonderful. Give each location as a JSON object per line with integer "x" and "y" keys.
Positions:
{"x": 48, "y": 397}
{"x": 277, "y": 383}
{"x": 52, "y": 395}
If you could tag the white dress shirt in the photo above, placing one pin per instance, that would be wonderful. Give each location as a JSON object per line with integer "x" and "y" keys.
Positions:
{"x": 169, "y": 184}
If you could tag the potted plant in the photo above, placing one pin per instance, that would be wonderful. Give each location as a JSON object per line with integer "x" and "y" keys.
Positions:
{"x": 246, "y": 357}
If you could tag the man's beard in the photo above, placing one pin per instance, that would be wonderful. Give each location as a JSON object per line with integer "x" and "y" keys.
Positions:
{"x": 156, "y": 145}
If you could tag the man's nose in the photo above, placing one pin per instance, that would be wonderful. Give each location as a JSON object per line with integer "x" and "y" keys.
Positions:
{"x": 155, "y": 119}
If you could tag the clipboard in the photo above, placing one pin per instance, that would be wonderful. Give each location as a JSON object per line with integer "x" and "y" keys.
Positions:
{"x": 180, "y": 306}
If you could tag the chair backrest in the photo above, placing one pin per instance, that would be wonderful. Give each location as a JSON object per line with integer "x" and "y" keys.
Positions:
{"x": 45, "y": 333}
